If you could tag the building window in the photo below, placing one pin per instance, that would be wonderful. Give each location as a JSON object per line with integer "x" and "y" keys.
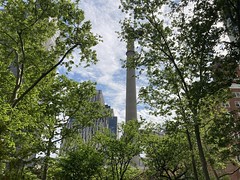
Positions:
{"x": 236, "y": 94}
{"x": 237, "y": 104}
{"x": 226, "y": 105}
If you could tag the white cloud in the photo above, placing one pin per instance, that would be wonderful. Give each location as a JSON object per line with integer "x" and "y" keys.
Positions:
{"x": 110, "y": 77}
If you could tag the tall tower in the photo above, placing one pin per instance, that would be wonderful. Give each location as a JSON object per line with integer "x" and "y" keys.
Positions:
{"x": 131, "y": 104}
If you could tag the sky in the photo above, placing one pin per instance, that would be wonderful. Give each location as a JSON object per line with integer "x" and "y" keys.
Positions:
{"x": 108, "y": 72}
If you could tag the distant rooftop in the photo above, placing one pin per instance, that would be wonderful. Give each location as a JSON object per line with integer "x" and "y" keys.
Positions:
{"x": 235, "y": 85}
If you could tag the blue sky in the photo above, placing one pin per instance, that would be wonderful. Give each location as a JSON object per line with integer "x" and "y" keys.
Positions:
{"x": 108, "y": 72}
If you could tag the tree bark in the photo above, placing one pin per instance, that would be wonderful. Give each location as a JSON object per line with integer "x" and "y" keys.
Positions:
{"x": 192, "y": 155}
{"x": 45, "y": 166}
{"x": 46, "y": 161}
{"x": 201, "y": 152}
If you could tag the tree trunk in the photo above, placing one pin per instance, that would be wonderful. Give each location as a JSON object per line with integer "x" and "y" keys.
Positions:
{"x": 45, "y": 165}
{"x": 192, "y": 155}
{"x": 201, "y": 153}
{"x": 214, "y": 172}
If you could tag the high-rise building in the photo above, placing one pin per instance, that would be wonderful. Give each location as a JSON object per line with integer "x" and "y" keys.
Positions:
{"x": 109, "y": 122}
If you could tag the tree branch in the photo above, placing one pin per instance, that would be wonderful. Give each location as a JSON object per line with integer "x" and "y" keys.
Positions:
{"x": 9, "y": 37}
{"x": 170, "y": 55}
{"x": 43, "y": 76}
{"x": 17, "y": 82}
{"x": 19, "y": 66}
{"x": 230, "y": 173}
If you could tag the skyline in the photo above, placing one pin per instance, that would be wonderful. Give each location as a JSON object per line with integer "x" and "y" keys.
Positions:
{"x": 108, "y": 72}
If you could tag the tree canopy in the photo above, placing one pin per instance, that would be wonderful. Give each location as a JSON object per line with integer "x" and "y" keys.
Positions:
{"x": 37, "y": 37}
{"x": 188, "y": 57}
{"x": 189, "y": 51}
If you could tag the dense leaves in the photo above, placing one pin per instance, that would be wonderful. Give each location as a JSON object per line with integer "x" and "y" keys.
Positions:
{"x": 120, "y": 153}
{"x": 36, "y": 37}
{"x": 82, "y": 163}
{"x": 168, "y": 157}
{"x": 187, "y": 57}
{"x": 189, "y": 51}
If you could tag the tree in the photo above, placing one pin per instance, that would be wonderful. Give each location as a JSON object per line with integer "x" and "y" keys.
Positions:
{"x": 168, "y": 156}
{"x": 179, "y": 53}
{"x": 120, "y": 153}
{"x": 36, "y": 37}
{"x": 65, "y": 101}
{"x": 57, "y": 29}
{"x": 221, "y": 140}
{"x": 85, "y": 162}
{"x": 229, "y": 13}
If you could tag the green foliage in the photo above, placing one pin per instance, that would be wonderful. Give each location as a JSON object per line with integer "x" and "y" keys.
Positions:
{"x": 168, "y": 156}
{"x": 133, "y": 173}
{"x": 85, "y": 162}
{"x": 181, "y": 51}
{"x": 65, "y": 101}
{"x": 36, "y": 37}
{"x": 221, "y": 139}
{"x": 120, "y": 153}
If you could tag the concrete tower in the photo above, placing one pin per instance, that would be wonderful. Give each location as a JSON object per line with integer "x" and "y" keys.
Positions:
{"x": 131, "y": 104}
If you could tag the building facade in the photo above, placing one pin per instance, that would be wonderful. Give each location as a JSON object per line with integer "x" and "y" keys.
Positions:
{"x": 233, "y": 104}
{"x": 99, "y": 124}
